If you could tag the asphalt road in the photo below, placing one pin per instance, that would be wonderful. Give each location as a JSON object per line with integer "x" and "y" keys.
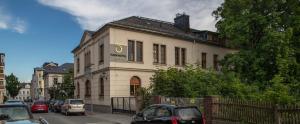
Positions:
{"x": 58, "y": 118}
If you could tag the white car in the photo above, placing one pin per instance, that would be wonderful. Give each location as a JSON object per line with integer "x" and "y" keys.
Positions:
{"x": 73, "y": 106}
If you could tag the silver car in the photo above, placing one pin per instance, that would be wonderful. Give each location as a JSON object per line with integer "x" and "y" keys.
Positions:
{"x": 73, "y": 106}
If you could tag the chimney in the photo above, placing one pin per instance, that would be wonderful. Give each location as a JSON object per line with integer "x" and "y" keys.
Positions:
{"x": 182, "y": 21}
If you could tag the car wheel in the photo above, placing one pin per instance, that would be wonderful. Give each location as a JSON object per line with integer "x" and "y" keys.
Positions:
{"x": 83, "y": 113}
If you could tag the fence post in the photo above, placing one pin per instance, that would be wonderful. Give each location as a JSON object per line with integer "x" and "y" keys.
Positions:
{"x": 277, "y": 118}
{"x": 209, "y": 108}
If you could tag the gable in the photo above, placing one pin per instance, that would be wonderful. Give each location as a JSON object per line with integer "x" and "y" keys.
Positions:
{"x": 85, "y": 37}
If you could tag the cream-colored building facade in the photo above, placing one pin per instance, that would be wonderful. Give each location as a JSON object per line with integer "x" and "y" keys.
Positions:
{"x": 2, "y": 77}
{"x": 24, "y": 92}
{"x": 37, "y": 84}
{"x": 123, "y": 55}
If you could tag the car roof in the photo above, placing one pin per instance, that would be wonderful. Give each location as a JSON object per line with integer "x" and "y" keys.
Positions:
{"x": 165, "y": 105}
{"x": 13, "y": 100}
{"x": 74, "y": 99}
{"x": 12, "y": 105}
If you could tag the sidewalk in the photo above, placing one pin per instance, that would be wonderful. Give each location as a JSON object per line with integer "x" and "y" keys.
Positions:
{"x": 116, "y": 118}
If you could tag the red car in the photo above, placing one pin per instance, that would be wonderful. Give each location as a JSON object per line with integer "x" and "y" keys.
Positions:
{"x": 39, "y": 106}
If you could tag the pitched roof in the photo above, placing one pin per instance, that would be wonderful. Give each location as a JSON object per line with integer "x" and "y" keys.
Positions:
{"x": 64, "y": 68}
{"x": 159, "y": 27}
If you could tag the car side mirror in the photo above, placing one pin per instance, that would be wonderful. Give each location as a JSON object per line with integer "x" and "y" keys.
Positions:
{"x": 43, "y": 121}
{"x": 140, "y": 114}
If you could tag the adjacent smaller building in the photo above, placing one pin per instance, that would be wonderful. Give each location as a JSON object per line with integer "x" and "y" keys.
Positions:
{"x": 24, "y": 93}
{"x": 44, "y": 77}
{"x": 54, "y": 75}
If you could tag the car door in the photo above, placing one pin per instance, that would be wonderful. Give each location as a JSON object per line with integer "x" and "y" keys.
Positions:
{"x": 162, "y": 116}
{"x": 147, "y": 116}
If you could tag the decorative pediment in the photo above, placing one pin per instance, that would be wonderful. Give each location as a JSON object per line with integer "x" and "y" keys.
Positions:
{"x": 86, "y": 36}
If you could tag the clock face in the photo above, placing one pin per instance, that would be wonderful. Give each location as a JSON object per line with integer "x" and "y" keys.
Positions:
{"x": 118, "y": 49}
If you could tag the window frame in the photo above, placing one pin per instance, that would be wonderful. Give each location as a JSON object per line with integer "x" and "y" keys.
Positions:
{"x": 163, "y": 54}
{"x": 204, "y": 60}
{"x": 101, "y": 54}
{"x": 177, "y": 56}
{"x": 216, "y": 62}
{"x": 183, "y": 56}
{"x": 139, "y": 51}
{"x": 156, "y": 53}
{"x": 131, "y": 51}
{"x": 101, "y": 86}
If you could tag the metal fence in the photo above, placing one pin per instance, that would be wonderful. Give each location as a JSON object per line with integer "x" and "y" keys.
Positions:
{"x": 123, "y": 104}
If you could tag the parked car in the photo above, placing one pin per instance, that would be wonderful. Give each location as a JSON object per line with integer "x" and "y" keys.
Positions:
{"x": 73, "y": 106}
{"x": 57, "y": 105}
{"x": 51, "y": 104}
{"x": 39, "y": 106}
{"x": 168, "y": 114}
{"x": 18, "y": 114}
{"x": 14, "y": 102}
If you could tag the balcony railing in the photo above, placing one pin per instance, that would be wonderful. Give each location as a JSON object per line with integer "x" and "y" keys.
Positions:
{"x": 2, "y": 87}
{"x": 2, "y": 64}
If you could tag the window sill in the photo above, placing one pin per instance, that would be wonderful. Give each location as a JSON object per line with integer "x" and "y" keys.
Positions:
{"x": 135, "y": 62}
{"x": 159, "y": 64}
{"x": 101, "y": 97}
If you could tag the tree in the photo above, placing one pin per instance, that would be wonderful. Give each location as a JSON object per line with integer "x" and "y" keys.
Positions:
{"x": 67, "y": 87}
{"x": 12, "y": 85}
{"x": 267, "y": 33}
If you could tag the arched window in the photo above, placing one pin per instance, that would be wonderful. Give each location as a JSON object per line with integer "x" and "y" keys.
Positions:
{"x": 135, "y": 83}
{"x": 101, "y": 87}
{"x": 88, "y": 89}
{"x": 78, "y": 90}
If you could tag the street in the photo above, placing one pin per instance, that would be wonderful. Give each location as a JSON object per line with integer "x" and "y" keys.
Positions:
{"x": 58, "y": 118}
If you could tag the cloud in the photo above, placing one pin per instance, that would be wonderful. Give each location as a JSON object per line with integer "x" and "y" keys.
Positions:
{"x": 8, "y": 22}
{"x": 91, "y": 14}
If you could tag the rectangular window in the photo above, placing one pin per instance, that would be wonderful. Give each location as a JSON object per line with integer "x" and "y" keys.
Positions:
{"x": 87, "y": 59}
{"x": 183, "y": 56}
{"x": 177, "y": 54}
{"x": 139, "y": 51}
{"x": 163, "y": 54}
{"x": 216, "y": 66}
{"x": 101, "y": 88}
{"x": 1, "y": 83}
{"x": 131, "y": 51}
{"x": 203, "y": 60}
{"x": 101, "y": 53}
{"x": 78, "y": 65}
{"x": 55, "y": 80}
{"x": 155, "y": 53}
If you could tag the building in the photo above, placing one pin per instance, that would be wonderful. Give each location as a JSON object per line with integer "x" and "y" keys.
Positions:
{"x": 122, "y": 55}
{"x": 44, "y": 77}
{"x": 2, "y": 77}
{"x": 37, "y": 84}
{"x": 54, "y": 75}
{"x": 24, "y": 93}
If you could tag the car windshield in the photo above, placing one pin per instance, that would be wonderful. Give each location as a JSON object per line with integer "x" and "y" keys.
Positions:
{"x": 188, "y": 113}
{"x": 76, "y": 102}
{"x": 14, "y": 113}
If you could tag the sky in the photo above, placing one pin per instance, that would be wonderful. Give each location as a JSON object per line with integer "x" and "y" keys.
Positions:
{"x": 36, "y": 31}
